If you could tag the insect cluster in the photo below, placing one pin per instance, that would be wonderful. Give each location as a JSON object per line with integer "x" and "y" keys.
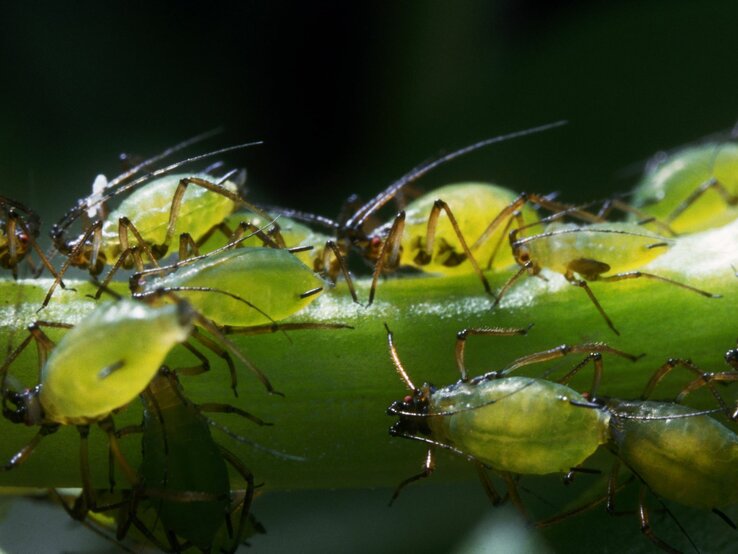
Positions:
{"x": 204, "y": 263}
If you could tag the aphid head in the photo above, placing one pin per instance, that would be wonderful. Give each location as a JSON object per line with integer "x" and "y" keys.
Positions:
{"x": 412, "y": 411}
{"x": 523, "y": 257}
{"x": 26, "y": 406}
{"x": 731, "y": 358}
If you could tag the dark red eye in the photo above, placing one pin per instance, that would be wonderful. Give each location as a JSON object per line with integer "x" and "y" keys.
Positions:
{"x": 408, "y": 399}
{"x": 23, "y": 238}
{"x": 376, "y": 242}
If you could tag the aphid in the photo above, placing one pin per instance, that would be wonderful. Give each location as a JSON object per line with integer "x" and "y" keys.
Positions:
{"x": 183, "y": 473}
{"x": 19, "y": 228}
{"x": 100, "y": 365}
{"x": 583, "y": 254}
{"x": 162, "y": 205}
{"x": 692, "y": 189}
{"x": 420, "y": 238}
{"x": 678, "y": 453}
{"x": 516, "y": 425}
{"x": 236, "y": 286}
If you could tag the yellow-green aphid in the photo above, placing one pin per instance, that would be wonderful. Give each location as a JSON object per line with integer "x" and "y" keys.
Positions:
{"x": 693, "y": 189}
{"x": 183, "y": 471}
{"x": 597, "y": 252}
{"x": 106, "y": 360}
{"x": 238, "y": 286}
{"x": 678, "y": 453}
{"x": 160, "y": 207}
{"x": 511, "y": 424}
{"x": 474, "y": 206}
{"x": 99, "y": 366}
{"x": 199, "y": 211}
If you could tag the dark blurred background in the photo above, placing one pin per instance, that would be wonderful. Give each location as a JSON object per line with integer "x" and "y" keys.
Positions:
{"x": 348, "y": 96}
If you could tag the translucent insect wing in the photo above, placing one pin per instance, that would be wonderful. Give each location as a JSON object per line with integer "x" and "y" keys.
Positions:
{"x": 108, "y": 359}
{"x": 518, "y": 424}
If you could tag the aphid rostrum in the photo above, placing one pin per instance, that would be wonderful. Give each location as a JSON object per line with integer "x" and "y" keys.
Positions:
{"x": 514, "y": 425}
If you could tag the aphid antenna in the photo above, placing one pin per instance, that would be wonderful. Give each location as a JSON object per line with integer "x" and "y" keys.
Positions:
{"x": 677, "y": 522}
{"x": 397, "y": 362}
{"x": 620, "y": 415}
{"x": 431, "y": 442}
{"x": 84, "y": 205}
{"x": 164, "y": 154}
{"x": 358, "y": 219}
{"x": 305, "y": 217}
{"x": 549, "y": 234}
{"x": 253, "y": 444}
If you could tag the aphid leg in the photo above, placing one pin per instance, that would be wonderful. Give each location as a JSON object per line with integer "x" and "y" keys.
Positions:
{"x": 389, "y": 253}
{"x": 429, "y": 465}
{"x": 646, "y": 525}
{"x": 16, "y": 220}
{"x": 213, "y": 187}
{"x": 204, "y": 365}
{"x": 488, "y": 486}
{"x": 187, "y": 247}
{"x": 581, "y": 283}
{"x": 560, "y": 352}
{"x": 125, "y": 226}
{"x": 131, "y": 252}
{"x": 426, "y": 254}
{"x": 462, "y": 335}
{"x": 108, "y": 428}
{"x": 627, "y": 208}
{"x": 338, "y": 263}
{"x": 248, "y": 496}
{"x": 638, "y": 274}
{"x": 23, "y": 454}
{"x": 272, "y": 238}
{"x": 712, "y": 183}
{"x": 595, "y": 357}
{"x": 214, "y": 407}
{"x": 511, "y": 281}
{"x": 517, "y": 218}
{"x": 512, "y": 490}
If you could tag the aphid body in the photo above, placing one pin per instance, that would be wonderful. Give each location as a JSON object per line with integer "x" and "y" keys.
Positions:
{"x": 693, "y": 189}
{"x": 692, "y": 460}
{"x": 474, "y": 206}
{"x": 183, "y": 470}
{"x": 106, "y": 360}
{"x": 517, "y": 424}
{"x": 238, "y": 286}
{"x": 19, "y": 228}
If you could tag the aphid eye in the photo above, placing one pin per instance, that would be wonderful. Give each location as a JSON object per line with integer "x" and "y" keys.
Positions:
{"x": 23, "y": 238}
{"x": 524, "y": 257}
{"x": 376, "y": 242}
{"x": 408, "y": 399}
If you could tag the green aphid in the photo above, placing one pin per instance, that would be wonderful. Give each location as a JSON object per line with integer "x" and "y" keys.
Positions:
{"x": 236, "y": 286}
{"x": 159, "y": 207}
{"x": 605, "y": 252}
{"x": 184, "y": 496}
{"x": 692, "y": 189}
{"x": 515, "y": 425}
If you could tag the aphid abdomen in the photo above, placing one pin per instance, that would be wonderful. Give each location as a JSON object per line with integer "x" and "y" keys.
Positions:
{"x": 518, "y": 424}
{"x": 690, "y": 460}
{"x": 181, "y": 460}
{"x": 271, "y": 279}
{"x": 474, "y": 205}
{"x": 149, "y": 207}
{"x": 108, "y": 359}
{"x": 670, "y": 183}
{"x": 622, "y": 246}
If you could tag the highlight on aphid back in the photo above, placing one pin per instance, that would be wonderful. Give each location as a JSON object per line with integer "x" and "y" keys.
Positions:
{"x": 181, "y": 352}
